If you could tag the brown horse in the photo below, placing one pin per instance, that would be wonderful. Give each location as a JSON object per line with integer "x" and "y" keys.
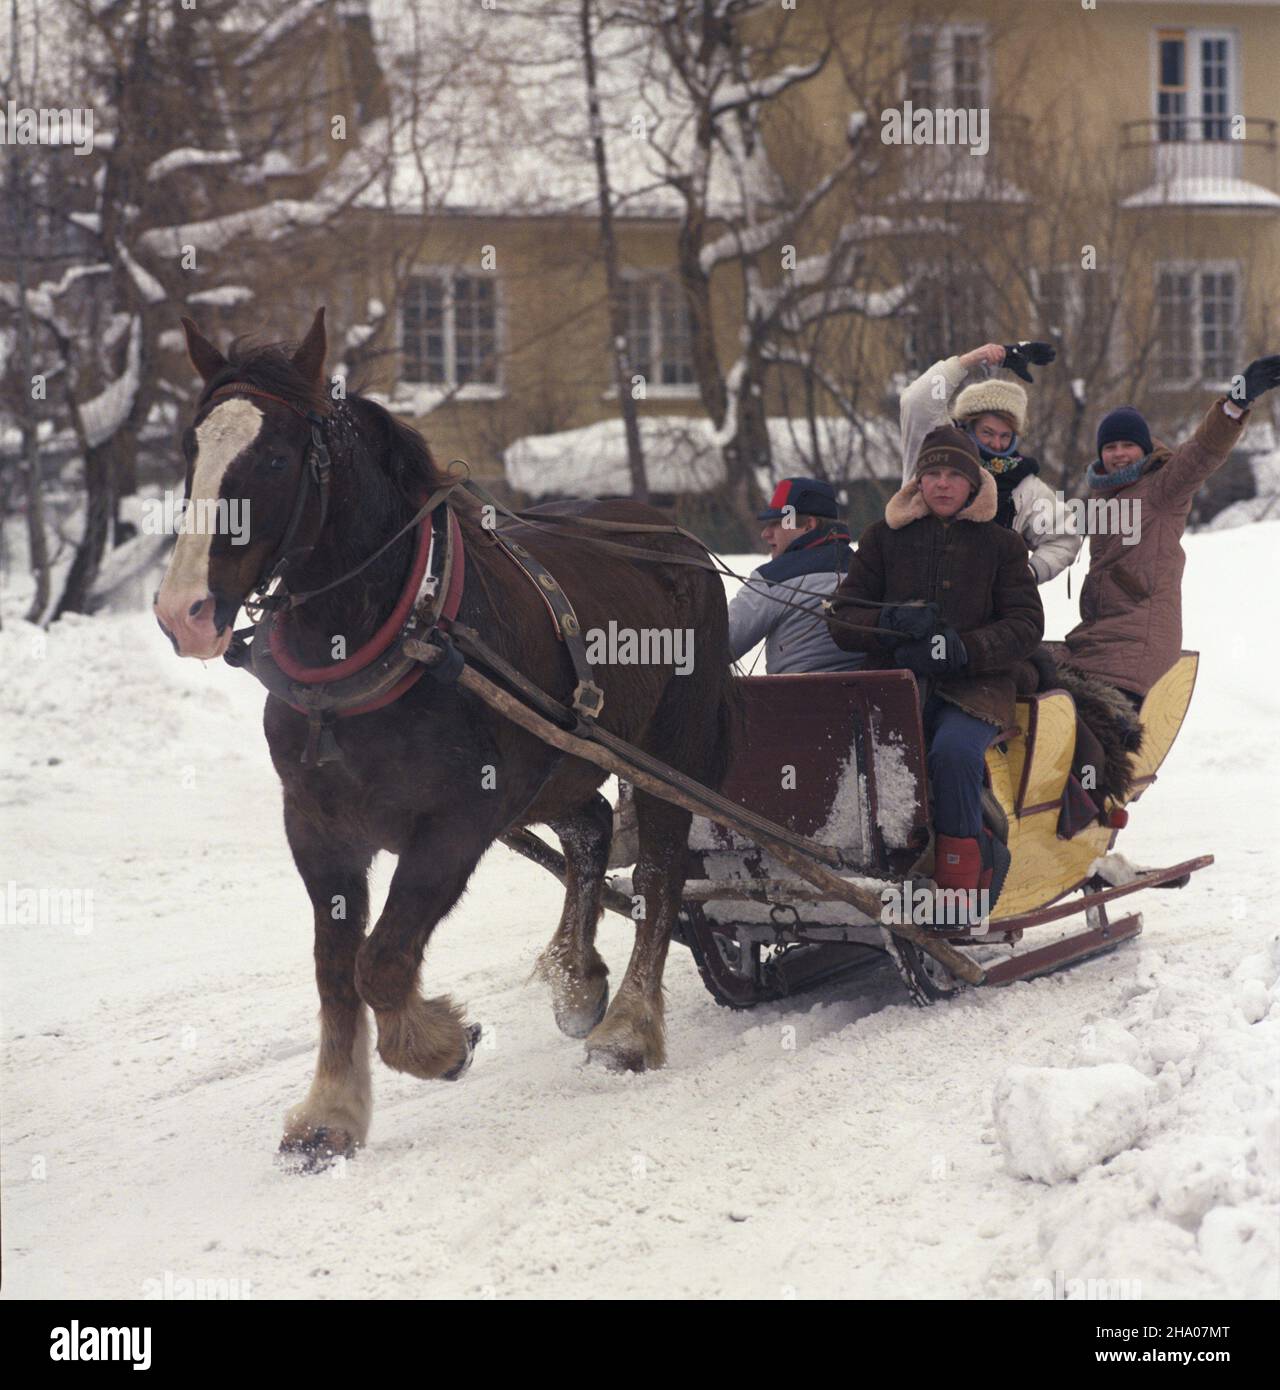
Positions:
{"x": 436, "y": 776}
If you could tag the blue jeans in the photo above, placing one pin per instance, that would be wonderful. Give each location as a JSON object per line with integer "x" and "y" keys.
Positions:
{"x": 957, "y": 744}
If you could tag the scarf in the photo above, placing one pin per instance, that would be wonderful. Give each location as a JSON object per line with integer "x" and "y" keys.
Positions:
{"x": 825, "y": 548}
{"x": 997, "y": 461}
{"x": 1008, "y": 468}
{"x": 1102, "y": 481}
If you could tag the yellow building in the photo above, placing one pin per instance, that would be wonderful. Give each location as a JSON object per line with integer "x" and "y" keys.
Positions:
{"x": 1112, "y": 185}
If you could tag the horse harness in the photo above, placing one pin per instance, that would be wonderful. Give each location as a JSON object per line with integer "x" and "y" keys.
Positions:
{"x": 416, "y": 637}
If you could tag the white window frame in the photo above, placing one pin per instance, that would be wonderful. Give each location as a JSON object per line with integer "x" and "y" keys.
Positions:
{"x": 944, "y": 36}
{"x": 1198, "y": 379}
{"x": 475, "y": 390}
{"x": 655, "y": 389}
{"x": 1176, "y": 157}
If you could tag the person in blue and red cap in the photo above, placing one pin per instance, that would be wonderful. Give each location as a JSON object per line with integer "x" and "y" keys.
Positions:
{"x": 780, "y": 604}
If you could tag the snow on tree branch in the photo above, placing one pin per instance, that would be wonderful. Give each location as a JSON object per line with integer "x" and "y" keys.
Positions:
{"x": 148, "y": 286}
{"x": 283, "y": 24}
{"x": 188, "y": 158}
{"x": 741, "y": 95}
{"x": 269, "y": 221}
{"x": 751, "y": 240}
{"x": 104, "y": 414}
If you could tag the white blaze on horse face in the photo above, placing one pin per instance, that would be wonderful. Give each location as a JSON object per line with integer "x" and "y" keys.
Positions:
{"x": 184, "y": 605}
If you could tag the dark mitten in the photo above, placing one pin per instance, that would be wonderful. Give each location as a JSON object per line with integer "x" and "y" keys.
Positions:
{"x": 1257, "y": 378}
{"x": 908, "y": 621}
{"x": 939, "y": 655}
{"x": 1017, "y": 357}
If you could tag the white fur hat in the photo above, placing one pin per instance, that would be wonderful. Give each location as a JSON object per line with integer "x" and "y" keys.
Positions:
{"x": 993, "y": 397}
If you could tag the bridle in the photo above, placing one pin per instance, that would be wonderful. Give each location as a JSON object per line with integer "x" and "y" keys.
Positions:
{"x": 316, "y": 468}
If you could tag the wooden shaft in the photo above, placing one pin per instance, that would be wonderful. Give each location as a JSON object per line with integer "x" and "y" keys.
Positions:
{"x": 866, "y": 901}
{"x": 534, "y": 847}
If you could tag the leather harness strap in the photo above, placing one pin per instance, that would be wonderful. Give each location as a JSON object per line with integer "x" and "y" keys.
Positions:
{"x": 588, "y": 698}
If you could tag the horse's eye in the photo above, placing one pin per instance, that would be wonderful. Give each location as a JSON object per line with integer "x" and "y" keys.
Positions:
{"x": 277, "y": 464}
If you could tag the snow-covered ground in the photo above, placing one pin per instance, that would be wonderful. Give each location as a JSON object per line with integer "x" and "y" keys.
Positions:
{"x": 1117, "y": 1123}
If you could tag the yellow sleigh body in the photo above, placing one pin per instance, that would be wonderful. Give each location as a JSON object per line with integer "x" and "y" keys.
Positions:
{"x": 1029, "y": 775}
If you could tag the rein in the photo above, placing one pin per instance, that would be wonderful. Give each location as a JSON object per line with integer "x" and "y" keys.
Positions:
{"x": 711, "y": 563}
{"x": 394, "y": 659}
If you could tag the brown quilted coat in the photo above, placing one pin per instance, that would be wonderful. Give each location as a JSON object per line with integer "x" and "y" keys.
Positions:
{"x": 1130, "y": 632}
{"x": 978, "y": 574}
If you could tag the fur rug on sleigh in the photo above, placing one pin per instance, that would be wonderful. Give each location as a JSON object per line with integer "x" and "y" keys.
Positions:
{"x": 1108, "y": 730}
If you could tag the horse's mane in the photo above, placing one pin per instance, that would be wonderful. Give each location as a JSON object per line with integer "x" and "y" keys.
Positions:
{"x": 269, "y": 367}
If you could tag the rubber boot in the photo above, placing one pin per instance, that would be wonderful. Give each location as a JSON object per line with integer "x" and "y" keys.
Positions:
{"x": 957, "y": 862}
{"x": 957, "y": 867}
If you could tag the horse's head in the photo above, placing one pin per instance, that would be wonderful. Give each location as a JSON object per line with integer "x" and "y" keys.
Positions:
{"x": 249, "y": 491}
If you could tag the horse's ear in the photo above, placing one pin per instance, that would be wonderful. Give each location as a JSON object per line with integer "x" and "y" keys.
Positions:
{"x": 309, "y": 358}
{"x": 205, "y": 358}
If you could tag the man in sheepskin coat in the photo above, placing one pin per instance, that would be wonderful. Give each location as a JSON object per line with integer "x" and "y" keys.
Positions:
{"x": 956, "y": 588}
{"x": 994, "y": 413}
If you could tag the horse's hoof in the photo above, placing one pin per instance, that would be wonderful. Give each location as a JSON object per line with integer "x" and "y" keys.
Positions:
{"x": 617, "y": 1056}
{"x": 473, "y": 1038}
{"x": 315, "y": 1150}
{"x": 578, "y": 1025}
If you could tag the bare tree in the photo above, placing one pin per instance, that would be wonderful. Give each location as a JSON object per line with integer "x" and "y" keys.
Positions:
{"x": 609, "y": 248}
{"x": 194, "y": 194}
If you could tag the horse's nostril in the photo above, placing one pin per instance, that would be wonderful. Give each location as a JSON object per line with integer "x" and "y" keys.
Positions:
{"x": 224, "y": 612}
{"x": 195, "y": 608}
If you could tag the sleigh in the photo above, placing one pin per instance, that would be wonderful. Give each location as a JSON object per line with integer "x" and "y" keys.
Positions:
{"x": 840, "y": 758}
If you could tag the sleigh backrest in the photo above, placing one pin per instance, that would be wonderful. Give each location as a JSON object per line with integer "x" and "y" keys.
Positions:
{"x": 838, "y": 756}
{"x": 1028, "y": 775}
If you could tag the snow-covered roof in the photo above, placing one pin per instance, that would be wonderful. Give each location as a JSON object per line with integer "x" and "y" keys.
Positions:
{"x": 1204, "y": 191}
{"x": 489, "y": 110}
{"x": 681, "y": 455}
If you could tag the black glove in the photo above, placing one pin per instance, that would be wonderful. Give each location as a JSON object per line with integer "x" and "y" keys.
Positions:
{"x": 1018, "y": 355}
{"x": 1262, "y": 375}
{"x": 919, "y": 656}
{"x": 907, "y": 620}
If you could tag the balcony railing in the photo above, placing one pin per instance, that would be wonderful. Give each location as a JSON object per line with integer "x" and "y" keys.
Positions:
{"x": 952, "y": 173}
{"x": 1183, "y": 161}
